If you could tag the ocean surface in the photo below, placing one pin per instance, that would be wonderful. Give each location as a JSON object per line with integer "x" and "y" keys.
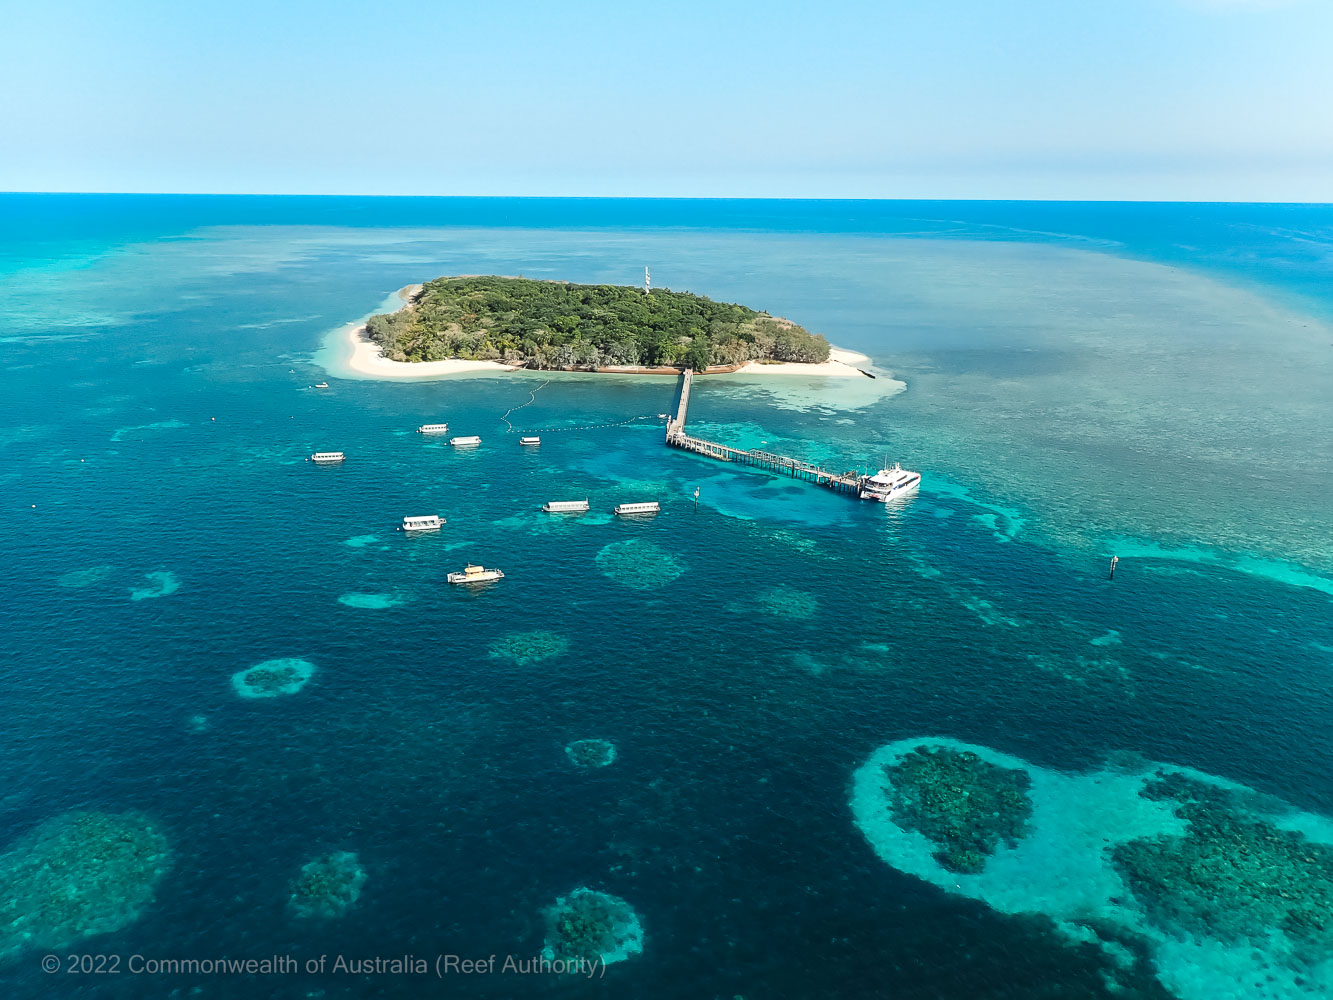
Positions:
{"x": 1073, "y": 380}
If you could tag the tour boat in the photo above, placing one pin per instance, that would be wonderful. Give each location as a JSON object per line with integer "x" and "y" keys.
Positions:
{"x": 475, "y": 574}
{"x": 651, "y": 507}
{"x": 465, "y": 442}
{"x": 433, "y": 429}
{"x": 320, "y": 385}
{"x": 564, "y": 506}
{"x": 327, "y": 457}
{"x": 530, "y": 440}
{"x": 426, "y": 522}
{"x": 889, "y": 484}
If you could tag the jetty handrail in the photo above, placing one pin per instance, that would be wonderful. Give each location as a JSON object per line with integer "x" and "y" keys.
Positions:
{"x": 677, "y": 438}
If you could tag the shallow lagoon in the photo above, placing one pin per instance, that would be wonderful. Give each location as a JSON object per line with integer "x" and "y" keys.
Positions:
{"x": 980, "y": 611}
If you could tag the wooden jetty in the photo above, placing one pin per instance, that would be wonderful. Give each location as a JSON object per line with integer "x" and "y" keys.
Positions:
{"x": 843, "y": 482}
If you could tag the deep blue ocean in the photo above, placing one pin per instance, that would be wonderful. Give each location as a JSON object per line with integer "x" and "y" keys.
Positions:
{"x": 1073, "y": 380}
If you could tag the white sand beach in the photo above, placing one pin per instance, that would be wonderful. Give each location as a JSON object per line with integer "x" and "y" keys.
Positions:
{"x": 841, "y": 363}
{"x": 367, "y": 359}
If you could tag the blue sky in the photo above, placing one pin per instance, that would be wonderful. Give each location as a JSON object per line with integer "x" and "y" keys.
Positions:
{"x": 1097, "y": 99}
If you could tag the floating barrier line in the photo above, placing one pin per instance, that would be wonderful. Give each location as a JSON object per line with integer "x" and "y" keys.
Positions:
{"x": 532, "y": 398}
{"x": 580, "y": 427}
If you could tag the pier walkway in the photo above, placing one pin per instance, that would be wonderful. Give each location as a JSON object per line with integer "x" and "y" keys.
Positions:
{"x": 844, "y": 482}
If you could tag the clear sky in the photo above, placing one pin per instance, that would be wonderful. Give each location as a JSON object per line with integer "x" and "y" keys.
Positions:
{"x": 1096, "y": 99}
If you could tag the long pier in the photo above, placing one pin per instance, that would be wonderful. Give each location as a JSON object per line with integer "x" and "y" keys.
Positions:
{"x": 683, "y": 409}
{"x": 843, "y": 482}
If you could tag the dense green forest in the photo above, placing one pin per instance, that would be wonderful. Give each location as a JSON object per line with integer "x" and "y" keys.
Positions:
{"x": 552, "y": 324}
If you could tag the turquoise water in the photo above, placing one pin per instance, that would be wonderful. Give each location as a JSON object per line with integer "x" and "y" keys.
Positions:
{"x": 1073, "y": 380}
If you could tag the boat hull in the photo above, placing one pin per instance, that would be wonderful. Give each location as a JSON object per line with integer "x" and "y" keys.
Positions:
{"x": 630, "y": 509}
{"x": 465, "y": 578}
{"x": 897, "y": 494}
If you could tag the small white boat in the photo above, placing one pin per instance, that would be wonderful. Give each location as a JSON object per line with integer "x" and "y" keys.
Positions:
{"x": 889, "y": 484}
{"x": 651, "y": 507}
{"x": 530, "y": 440}
{"x": 327, "y": 457}
{"x": 320, "y": 385}
{"x": 475, "y": 574}
{"x": 433, "y": 429}
{"x": 426, "y": 522}
{"x": 564, "y": 506}
{"x": 465, "y": 442}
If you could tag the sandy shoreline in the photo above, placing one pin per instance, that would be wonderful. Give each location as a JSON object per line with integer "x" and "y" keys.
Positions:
{"x": 841, "y": 363}
{"x": 367, "y": 358}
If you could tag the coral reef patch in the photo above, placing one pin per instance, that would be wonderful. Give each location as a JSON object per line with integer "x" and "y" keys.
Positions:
{"x": 161, "y": 583}
{"x": 591, "y": 753}
{"x": 1231, "y": 875}
{"x": 1224, "y": 892}
{"x": 965, "y": 805}
{"x": 79, "y": 874}
{"x": 592, "y": 926}
{"x": 272, "y": 678}
{"x": 783, "y": 601}
{"x": 84, "y": 577}
{"x": 639, "y": 564}
{"x": 524, "y": 648}
{"x": 328, "y": 886}
{"x": 374, "y": 602}
{"x": 360, "y": 541}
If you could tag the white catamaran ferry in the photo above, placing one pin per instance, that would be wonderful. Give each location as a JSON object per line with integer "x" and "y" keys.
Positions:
{"x": 652, "y": 507}
{"x": 564, "y": 506}
{"x": 889, "y": 484}
{"x": 426, "y": 522}
{"x": 433, "y": 429}
{"x": 327, "y": 457}
{"x": 470, "y": 441}
{"x": 475, "y": 574}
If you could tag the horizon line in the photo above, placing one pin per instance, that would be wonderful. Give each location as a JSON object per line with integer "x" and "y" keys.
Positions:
{"x": 595, "y": 197}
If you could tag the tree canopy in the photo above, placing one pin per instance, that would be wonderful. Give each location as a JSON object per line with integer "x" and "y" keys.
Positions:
{"x": 554, "y": 324}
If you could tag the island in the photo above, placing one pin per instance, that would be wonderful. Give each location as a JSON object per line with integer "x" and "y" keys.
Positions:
{"x": 471, "y": 323}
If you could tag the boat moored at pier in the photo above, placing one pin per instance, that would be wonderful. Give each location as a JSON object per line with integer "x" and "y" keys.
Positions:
{"x": 889, "y": 484}
{"x": 564, "y": 506}
{"x": 650, "y": 507}
{"x": 433, "y": 429}
{"x": 327, "y": 457}
{"x": 425, "y": 522}
{"x": 475, "y": 574}
{"x": 470, "y": 441}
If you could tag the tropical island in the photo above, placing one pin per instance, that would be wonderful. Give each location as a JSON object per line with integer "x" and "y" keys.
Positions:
{"x": 478, "y": 322}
